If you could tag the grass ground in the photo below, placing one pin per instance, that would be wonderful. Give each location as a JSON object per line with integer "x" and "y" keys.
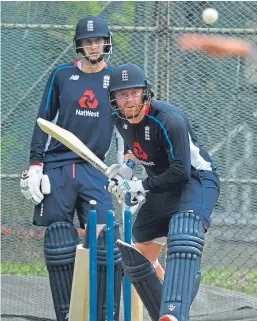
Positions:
{"x": 231, "y": 278}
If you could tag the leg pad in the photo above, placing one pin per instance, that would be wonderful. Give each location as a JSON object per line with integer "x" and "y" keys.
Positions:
{"x": 182, "y": 277}
{"x": 142, "y": 275}
{"x": 60, "y": 243}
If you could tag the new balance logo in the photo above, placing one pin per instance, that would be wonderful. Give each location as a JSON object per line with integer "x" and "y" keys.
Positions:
{"x": 87, "y": 113}
{"x": 124, "y": 75}
{"x": 74, "y": 77}
{"x": 90, "y": 25}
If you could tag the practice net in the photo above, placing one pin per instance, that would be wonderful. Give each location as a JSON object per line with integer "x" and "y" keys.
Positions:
{"x": 218, "y": 95}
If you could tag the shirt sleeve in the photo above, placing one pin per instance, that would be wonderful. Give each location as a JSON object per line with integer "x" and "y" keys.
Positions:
{"x": 48, "y": 110}
{"x": 174, "y": 139}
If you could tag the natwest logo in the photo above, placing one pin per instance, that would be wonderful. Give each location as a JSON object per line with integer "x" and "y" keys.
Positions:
{"x": 88, "y": 100}
{"x": 87, "y": 113}
{"x": 138, "y": 151}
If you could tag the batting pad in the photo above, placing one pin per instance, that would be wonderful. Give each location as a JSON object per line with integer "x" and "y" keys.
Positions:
{"x": 60, "y": 244}
{"x": 142, "y": 275}
{"x": 182, "y": 276}
{"x": 102, "y": 275}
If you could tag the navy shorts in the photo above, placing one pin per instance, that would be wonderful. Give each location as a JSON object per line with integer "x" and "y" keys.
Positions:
{"x": 199, "y": 194}
{"x": 72, "y": 187}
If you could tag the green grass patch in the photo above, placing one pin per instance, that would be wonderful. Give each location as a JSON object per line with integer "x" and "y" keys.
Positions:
{"x": 23, "y": 269}
{"x": 244, "y": 280}
{"x": 231, "y": 278}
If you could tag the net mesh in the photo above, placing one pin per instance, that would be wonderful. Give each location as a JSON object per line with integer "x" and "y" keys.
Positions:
{"x": 218, "y": 95}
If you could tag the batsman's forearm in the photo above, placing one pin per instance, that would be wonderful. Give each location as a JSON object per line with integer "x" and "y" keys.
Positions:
{"x": 37, "y": 146}
{"x": 48, "y": 110}
{"x": 177, "y": 174}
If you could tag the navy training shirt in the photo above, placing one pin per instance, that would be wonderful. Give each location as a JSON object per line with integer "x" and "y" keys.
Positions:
{"x": 165, "y": 144}
{"x": 78, "y": 102}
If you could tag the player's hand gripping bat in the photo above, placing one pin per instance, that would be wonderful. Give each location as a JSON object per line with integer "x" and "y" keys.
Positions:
{"x": 77, "y": 146}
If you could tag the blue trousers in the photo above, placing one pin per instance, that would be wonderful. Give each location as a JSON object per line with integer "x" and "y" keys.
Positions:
{"x": 199, "y": 194}
{"x": 72, "y": 187}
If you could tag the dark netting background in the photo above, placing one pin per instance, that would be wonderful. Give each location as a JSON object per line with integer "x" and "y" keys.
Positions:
{"x": 218, "y": 95}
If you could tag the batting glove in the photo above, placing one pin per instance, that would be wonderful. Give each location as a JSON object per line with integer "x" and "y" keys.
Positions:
{"x": 113, "y": 187}
{"x": 124, "y": 170}
{"x": 34, "y": 184}
{"x": 131, "y": 191}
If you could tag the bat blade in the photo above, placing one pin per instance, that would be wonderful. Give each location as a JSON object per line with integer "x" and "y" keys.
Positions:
{"x": 137, "y": 310}
{"x": 79, "y": 303}
{"x": 72, "y": 142}
{"x": 77, "y": 146}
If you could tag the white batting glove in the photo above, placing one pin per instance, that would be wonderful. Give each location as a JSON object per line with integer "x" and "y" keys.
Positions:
{"x": 127, "y": 191}
{"x": 45, "y": 185}
{"x": 34, "y": 184}
{"x": 134, "y": 187}
{"x": 113, "y": 187}
{"x": 124, "y": 170}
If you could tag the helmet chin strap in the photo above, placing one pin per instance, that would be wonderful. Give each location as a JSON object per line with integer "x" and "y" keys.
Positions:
{"x": 94, "y": 62}
{"x": 135, "y": 116}
{"x": 132, "y": 117}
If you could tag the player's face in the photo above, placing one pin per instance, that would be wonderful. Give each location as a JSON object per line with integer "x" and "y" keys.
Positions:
{"x": 93, "y": 47}
{"x": 130, "y": 101}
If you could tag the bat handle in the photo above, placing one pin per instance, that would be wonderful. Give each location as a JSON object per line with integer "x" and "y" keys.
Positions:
{"x": 140, "y": 199}
{"x": 92, "y": 207}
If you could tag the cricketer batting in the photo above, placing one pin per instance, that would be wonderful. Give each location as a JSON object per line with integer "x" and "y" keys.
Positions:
{"x": 181, "y": 189}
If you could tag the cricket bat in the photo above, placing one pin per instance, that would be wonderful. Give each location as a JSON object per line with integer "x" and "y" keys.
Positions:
{"x": 79, "y": 303}
{"x": 77, "y": 146}
{"x": 72, "y": 142}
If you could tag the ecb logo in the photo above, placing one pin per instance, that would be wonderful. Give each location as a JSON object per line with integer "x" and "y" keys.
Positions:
{"x": 124, "y": 75}
{"x": 90, "y": 25}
